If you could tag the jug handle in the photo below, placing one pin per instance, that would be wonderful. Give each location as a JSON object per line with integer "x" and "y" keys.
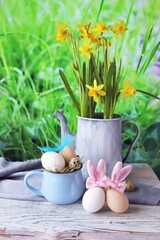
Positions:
{"x": 134, "y": 140}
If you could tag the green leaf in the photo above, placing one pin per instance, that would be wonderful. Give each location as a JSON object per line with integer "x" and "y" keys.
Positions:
{"x": 129, "y": 13}
{"x": 111, "y": 73}
{"x": 84, "y": 74}
{"x": 93, "y": 64}
{"x": 127, "y": 21}
{"x": 119, "y": 71}
{"x": 100, "y": 9}
{"x": 101, "y": 72}
{"x": 146, "y": 39}
{"x": 114, "y": 74}
{"x": 144, "y": 46}
{"x": 105, "y": 65}
{"x": 110, "y": 93}
{"x": 149, "y": 58}
{"x": 89, "y": 74}
{"x": 69, "y": 90}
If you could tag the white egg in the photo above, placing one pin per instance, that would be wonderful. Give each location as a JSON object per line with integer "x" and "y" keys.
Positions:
{"x": 52, "y": 161}
{"x": 93, "y": 199}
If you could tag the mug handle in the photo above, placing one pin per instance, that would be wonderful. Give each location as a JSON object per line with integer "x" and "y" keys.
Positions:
{"x": 134, "y": 140}
{"x": 26, "y": 178}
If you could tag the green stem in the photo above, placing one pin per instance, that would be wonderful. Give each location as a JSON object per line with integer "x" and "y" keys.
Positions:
{"x": 99, "y": 11}
{"x": 115, "y": 48}
{"x": 149, "y": 94}
{"x": 73, "y": 46}
{"x": 4, "y": 60}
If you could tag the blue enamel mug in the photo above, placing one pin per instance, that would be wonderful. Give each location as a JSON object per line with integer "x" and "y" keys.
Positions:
{"x": 58, "y": 188}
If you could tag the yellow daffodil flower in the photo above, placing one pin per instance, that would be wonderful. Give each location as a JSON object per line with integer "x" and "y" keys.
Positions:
{"x": 119, "y": 28}
{"x": 100, "y": 28}
{"x": 96, "y": 91}
{"x": 82, "y": 27}
{"x": 127, "y": 90}
{"x": 62, "y": 32}
{"x": 86, "y": 50}
{"x": 89, "y": 35}
{"x": 87, "y": 32}
{"x": 96, "y": 40}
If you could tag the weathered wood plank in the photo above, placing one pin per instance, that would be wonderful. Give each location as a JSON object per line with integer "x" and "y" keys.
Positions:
{"x": 67, "y": 235}
{"x": 43, "y": 220}
{"x": 41, "y": 217}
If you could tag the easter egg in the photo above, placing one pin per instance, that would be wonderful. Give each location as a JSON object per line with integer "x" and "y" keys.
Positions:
{"x": 52, "y": 161}
{"x": 68, "y": 153}
{"x": 117, "y": 201}
{"x": 93, "y": 199}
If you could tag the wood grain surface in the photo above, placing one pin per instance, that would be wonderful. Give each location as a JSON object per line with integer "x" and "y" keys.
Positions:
{"x": 44, "y": 220}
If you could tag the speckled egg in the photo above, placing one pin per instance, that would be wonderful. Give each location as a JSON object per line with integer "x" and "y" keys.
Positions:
{"x": 129, "y": 186}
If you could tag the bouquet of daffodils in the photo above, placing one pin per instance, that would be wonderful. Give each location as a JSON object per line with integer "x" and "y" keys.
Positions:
{"x": 97, "y": 67}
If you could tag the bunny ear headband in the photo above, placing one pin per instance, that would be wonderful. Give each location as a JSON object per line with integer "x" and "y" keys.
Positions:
{"x": 97, "y": 177}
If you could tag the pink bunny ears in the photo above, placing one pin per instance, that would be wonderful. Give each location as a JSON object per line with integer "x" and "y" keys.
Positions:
{"x": 97, "y": 177}
{"x": 119, "y": 173}
{"x": 98, "y": 172}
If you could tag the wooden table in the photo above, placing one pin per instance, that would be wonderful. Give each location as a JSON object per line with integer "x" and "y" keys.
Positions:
{"x": 43, "y": 220}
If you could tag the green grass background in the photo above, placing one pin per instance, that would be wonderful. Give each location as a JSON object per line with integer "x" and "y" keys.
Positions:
{"x": 30, "y": 85}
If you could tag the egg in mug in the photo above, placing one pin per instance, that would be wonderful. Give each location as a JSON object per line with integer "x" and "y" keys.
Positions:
{"x": 67, "y": 153}
{"x": 52, "y": 161}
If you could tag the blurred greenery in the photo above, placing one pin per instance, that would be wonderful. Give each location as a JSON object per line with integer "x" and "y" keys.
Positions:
{"x": 30, "y": 86}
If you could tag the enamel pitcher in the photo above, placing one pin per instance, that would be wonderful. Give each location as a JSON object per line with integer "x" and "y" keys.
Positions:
{"x": 98, "y": 138}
